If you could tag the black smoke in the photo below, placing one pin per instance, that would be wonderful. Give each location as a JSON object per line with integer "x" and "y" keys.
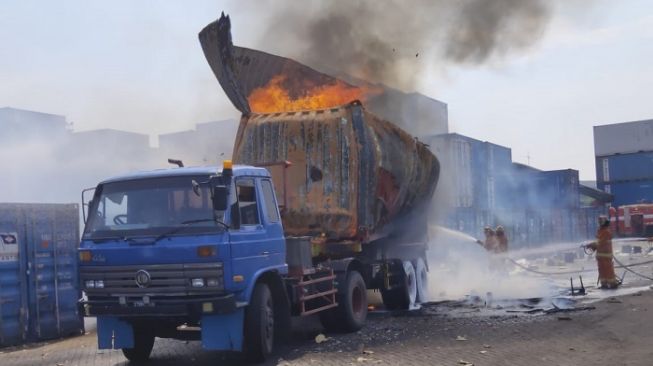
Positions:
{"x": 393, "y": 41}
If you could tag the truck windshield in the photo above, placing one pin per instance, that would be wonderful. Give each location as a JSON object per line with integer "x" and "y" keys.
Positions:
{"x": 147, "y": 207}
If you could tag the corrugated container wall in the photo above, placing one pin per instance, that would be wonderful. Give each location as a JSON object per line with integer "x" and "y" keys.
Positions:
{"x": 623, "y": 138}
{"x": 624, "y": 167}
{"x": 39, "y": 286}
{"x": 628, "y": 193}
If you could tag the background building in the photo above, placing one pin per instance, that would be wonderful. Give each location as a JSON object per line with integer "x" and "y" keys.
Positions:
{"x": 624, "y": 161}
{"x": 208, "y": 144}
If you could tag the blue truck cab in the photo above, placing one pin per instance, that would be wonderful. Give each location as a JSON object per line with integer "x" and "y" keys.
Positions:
{"x": 195, "y": 253}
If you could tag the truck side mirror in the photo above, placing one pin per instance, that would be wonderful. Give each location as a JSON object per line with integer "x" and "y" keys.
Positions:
{"x": 220, "y": 198}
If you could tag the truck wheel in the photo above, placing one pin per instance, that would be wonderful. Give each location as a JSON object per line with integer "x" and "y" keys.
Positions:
{"x": 351, "y": 313}
{"x": 143, "y": 343}
{"x": 259, "y": 323}
{"x": 404, "y": 296}
{"x": 422, "y": 277}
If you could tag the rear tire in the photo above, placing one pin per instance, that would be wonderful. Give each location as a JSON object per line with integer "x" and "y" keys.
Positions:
{"x": 143, "y": 344}
{"x": 351, "y": 312}
{"x": 259, "y": 324}
{"x": 404, "y": 296}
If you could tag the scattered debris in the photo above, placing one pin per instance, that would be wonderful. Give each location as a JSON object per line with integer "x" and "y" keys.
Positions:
{"x": 487, "y": 346}
{"x": 362, "y": 359}
{"x": 461, "y": 338}
{"x": 465, "y": 363}
{"x": 483, "y": 352}
{"x": 564, "y": 318}
{"x": 613, "y": 300}
{"x": 368, "y": 352}
{"x": 320, "y": 338}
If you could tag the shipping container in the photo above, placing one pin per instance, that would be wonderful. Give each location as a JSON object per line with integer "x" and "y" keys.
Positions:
{"x": 624, "y": 167}
{"x": 475, "y": 171}
{"x": 627, "y": 193}
{"x": 623, "y": 138}
{"x": 39, "y": 287}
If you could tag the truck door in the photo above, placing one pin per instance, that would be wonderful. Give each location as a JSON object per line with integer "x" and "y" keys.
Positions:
{"x": 251, "y": 245}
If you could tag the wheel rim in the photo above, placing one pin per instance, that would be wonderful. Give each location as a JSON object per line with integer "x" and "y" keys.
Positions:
{"x": 357, "y": 300}
{"x": 411, "y": 283}
{"x": 422, "y": 281}
{"x": 268, "y": 323}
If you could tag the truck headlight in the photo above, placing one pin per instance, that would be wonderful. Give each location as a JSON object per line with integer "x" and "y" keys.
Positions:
{"x": 99, "y": 284}
{"x": 212, "y": 282}
{"x": 89, "y": 284}
{"x": 197, "y": 282}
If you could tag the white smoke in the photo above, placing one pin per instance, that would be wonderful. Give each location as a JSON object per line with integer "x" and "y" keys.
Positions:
{"x": 460, "y": 267}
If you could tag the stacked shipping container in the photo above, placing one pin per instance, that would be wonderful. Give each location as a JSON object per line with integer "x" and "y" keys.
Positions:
{"x": 481, "y": 186}
{"x": 624, "y": 161}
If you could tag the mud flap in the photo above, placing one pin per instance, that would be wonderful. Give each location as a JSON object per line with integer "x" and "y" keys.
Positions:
{"x": 113, "y": 333}
{"x": 223, "y": 332}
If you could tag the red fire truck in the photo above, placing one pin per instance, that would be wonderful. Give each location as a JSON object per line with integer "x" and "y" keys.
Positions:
{"x": 632, "y": 220}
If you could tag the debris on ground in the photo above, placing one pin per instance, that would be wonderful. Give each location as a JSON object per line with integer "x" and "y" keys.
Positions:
{"x": 465, "y": 363}
{"x": 320, "y": 338}
{"x": 461, "y": 338}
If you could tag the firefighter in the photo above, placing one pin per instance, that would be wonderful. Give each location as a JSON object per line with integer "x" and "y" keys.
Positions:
{"x": 490, "y": 239}
{"x": 603, "y": 248}
{"x": 502, "y": 240}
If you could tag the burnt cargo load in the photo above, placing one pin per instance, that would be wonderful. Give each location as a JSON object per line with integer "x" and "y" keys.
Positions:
{"x": 353, "y": 176}
{"x": 351, "y": 173}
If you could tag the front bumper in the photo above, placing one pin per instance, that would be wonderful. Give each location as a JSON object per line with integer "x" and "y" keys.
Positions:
{"x": 189, "y": 307}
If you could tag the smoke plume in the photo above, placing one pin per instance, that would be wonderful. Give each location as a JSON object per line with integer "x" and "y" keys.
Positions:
{"x": 394, "y": 41}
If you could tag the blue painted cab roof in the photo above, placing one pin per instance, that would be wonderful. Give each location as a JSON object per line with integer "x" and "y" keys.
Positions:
{"x": 238, "y": 170}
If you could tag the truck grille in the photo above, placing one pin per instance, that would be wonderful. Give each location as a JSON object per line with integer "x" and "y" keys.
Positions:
{"x": 153, "y": 280}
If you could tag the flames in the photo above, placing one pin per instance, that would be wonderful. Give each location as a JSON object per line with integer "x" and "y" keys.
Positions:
{"x": 280, "y": 95}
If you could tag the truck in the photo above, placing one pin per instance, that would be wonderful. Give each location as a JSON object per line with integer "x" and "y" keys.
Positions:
{"x": 315, "y": 208}
{"x": 634, "y": 220}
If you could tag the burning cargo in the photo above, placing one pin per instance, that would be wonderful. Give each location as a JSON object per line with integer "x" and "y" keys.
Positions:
{"x": 352, "y": 175}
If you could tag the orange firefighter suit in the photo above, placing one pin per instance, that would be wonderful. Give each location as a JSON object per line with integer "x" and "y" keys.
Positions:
{"x": 603, "y": 247}
{"x": 502, "y": 241}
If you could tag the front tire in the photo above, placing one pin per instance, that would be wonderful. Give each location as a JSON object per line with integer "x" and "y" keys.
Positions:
{"x": 143, "y": 344}
{"x": 259, "y": 324}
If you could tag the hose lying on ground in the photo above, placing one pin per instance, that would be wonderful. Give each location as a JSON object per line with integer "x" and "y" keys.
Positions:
{"x": 620, "y": 265}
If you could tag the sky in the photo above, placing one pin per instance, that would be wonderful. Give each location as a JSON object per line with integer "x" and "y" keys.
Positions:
{"x": 138, "y": 66}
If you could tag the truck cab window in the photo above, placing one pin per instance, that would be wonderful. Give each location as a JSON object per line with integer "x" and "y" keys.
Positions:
{"x": 270, "y": 204}
{"x": 247, "y": 202}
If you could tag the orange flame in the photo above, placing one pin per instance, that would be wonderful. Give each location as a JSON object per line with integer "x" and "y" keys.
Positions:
{"x": 274, "y": 97}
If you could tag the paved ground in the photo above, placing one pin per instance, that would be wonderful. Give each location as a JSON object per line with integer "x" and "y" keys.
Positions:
{"x": 615, "y": 333}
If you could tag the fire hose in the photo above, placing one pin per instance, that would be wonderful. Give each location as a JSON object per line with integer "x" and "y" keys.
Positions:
{"x": 620, "y": 265}
{"x": 626, "y": 267}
